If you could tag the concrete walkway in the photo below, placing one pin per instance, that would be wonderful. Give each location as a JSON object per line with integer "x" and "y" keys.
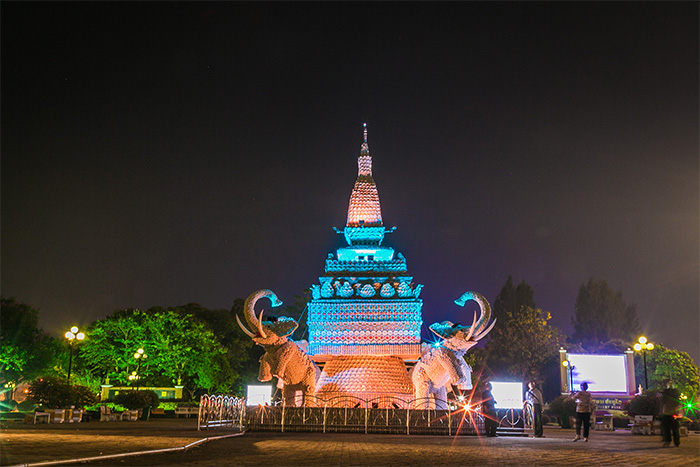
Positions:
{"x": 35, "y": 443}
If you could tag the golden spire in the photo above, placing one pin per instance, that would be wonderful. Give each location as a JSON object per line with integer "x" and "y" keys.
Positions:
{"x": 364, "y": 209}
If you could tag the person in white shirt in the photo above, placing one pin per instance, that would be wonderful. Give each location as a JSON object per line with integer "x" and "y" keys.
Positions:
{"x": 533, "y": 398}
{"x": 584, "y": 407}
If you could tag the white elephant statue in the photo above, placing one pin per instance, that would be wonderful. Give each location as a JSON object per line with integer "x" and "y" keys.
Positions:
{"x": 283, "y": 358}
{"x": 444, "y": 365}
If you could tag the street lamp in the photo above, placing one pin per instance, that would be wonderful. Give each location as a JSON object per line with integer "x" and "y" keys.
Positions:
{"x": 643, "y": 345}
{"x": 139, "y": 356}
{"x": 72, "y": 336}
{"x": 570, "y": 366}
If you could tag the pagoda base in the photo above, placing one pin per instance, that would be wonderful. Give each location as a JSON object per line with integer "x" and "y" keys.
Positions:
{"x": 382, "y": 380}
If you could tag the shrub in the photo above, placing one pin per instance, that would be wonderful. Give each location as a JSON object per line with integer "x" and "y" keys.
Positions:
{"x": 26, "y": 406}
{"x": 563, "y": 407}
{"x": 82, "y": 396}
{"x": 54, "y": 392}
{"x": 646, "y": 403}
{"x": 134, "y": 400}
{"x": 50, "y": 391}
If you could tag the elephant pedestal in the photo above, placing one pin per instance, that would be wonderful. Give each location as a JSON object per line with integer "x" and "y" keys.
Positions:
{"x": 346, "y": 378}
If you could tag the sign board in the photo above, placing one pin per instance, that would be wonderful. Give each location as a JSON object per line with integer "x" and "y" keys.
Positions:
{"x": 258, "y": 394}
{"x": 610, "y": 376}
{"x": 507, "y": 395}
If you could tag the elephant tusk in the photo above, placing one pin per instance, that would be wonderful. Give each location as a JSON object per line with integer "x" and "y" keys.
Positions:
{"x": 481, "y": 335}
{"x": 471, "y": 329}
{"x": 245, "y": 330}
{"x": 249, "y": 308}
{"x": 260, "y": 326}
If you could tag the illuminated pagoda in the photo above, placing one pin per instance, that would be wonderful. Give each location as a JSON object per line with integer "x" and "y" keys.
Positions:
{"x": 364, "y": 318}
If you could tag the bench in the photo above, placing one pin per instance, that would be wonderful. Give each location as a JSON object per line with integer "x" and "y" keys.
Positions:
{"x": 603, "y": 421}
{"x": 186, "y": 411}
{"x": 643, "y": 424}
{"x": 130, "y": 415}
{"x": 106, "y": 414}
{"x": 39, "y": 417}
{"x": 57, "y": 416}
{"x": 75, "y": 415}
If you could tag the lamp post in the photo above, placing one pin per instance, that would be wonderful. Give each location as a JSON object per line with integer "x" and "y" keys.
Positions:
{"x": 72, "y": 336}
{"x": 570, "y": 366}
{"x": 643, "y": 345}
{"x": 139, "y": 356}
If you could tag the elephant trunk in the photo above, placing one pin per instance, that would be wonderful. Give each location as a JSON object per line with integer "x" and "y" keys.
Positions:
{"x": 255, "y": 322}
{"x": 478, "y": 328}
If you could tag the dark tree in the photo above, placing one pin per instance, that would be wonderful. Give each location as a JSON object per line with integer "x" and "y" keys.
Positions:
{"x": 237, "y": 344}
{"x": 522, "y": 344}
{"x": 26, "y": 352}
{"x": 512, "y": 299}
{"x": 602, "y": 315}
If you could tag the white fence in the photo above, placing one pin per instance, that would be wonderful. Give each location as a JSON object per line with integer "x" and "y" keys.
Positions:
{"x": 221, "y": 411}
{"x": 349, "y": 414}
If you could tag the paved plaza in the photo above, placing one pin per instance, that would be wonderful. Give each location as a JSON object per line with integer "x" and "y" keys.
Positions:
{"x": 30, "y": 444}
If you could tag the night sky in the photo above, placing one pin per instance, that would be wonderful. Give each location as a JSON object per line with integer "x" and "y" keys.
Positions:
{"x": 165, "y": 153}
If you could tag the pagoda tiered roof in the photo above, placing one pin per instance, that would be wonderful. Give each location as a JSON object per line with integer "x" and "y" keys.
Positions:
{"x": 365, "y": 303}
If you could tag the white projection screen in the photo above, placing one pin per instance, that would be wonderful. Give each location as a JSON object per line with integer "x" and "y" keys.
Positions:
{"x": 603, "y": 373}
{"x": 507, "y": 395}
{"x": 259, "y": 394}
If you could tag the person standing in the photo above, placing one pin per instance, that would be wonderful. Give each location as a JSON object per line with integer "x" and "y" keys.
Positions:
{"x": 670, "y": 404}
{"x": 584, "y": 406}
{"x": 488, "y": 409}
{"x": 533, "y": 397}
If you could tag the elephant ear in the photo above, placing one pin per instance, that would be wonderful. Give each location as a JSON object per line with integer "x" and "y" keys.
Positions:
{"x": 282, "y": 326}
{"x": 447, "y": 329}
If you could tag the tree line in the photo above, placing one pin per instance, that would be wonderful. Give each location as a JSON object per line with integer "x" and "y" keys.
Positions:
{"x": 204, "y": 350}
{"x": 523, "y": 346}
{"x": 201, "y": 349}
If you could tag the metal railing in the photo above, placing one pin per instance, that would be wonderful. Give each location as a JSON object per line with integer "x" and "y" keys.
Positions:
{"x": 221, "y": 411}
{"x": 349, "y": 414}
